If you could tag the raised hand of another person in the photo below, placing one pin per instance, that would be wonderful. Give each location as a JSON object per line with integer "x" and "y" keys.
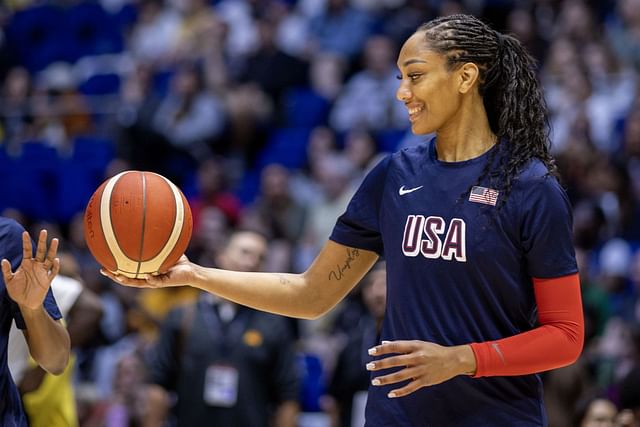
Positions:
{"x": 29, "y": 284}
{"x": 181, "y": 273}
{"x": 422, "y": 364}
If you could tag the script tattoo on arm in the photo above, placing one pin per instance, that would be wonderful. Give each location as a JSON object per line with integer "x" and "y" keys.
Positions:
{"x": 338, "y": 273}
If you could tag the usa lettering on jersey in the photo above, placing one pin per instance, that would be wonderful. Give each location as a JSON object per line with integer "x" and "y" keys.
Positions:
{"x": 432, "y": 238}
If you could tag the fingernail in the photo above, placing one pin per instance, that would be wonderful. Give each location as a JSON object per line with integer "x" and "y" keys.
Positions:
{"x": 386, "y": 342}
{"x": 375, "y": 381}
{"x": 391, "y": 394}
{"x": 371, "y": 366}
{"x": 103, "y": 272}
{"x": 372, "y": 351}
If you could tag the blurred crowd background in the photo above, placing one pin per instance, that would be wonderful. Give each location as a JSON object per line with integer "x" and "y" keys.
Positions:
{"x": 267, "y": 114}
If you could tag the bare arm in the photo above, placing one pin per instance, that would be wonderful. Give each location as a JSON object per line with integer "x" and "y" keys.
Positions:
{"x": 334, "y": 272}
{"x": 48, "y": 340}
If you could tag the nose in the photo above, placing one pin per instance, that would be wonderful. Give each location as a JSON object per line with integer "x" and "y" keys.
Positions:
{"x": 403, "y": 93}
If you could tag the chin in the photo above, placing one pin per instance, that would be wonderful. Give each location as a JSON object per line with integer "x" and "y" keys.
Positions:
{"x": 418, "y": 128}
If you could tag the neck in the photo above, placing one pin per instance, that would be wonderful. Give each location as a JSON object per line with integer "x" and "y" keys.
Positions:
{"x": 467, "y": 135}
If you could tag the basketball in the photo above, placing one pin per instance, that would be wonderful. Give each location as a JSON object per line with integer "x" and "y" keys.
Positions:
{"x": 137, "y": 223}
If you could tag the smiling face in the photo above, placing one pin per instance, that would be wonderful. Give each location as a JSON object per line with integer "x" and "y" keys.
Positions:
{"x": 428, "y": 88}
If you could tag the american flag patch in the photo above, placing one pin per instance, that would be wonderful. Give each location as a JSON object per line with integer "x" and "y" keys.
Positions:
{"x": 485, "y": 195}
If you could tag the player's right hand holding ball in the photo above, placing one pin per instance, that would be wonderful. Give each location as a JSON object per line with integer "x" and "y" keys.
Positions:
{"x": 183, "y": 273}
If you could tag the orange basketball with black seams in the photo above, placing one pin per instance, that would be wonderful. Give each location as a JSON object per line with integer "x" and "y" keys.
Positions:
{"x": 137, "y": 223}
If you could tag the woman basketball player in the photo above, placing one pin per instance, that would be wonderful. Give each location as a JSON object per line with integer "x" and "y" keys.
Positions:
{"x": 483, "y": 291}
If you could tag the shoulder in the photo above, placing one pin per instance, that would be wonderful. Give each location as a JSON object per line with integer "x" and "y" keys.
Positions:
{"x": 413, "y": 153}
{"x": 533, "y": 172}
{"x": 377, "y": 170}
{"x": 408, "y": 159}
{"x": 10, "y": 228}
{"x": 10, "y": 238}
{"x": 540, "y": 190}
{"x": 535, "y": 177}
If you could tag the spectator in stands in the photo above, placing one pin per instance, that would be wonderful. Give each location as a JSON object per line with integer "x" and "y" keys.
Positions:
{"x": 368, "y": 98}
{"x": 611, "y": 79}
{"x": 326, "y": 74}
{"x": 196, "y": 18}
{"x": 15, "y": 109}
{"x": 622, "y": 29}
{"x": 134, "y": 401}
{"x": 61, "y": 113}
{"x": 335, "y": 174}
{"x": 189, "y": 117}
{"x": 629, "y": 385}
{"x": 340, "y": 29}
{"x": 271, "y": 68}
{"x": 630, "y": 147}
{"x": 137, "y": 141}
{"x": 576, "y": 21}
{"x": 213, "y": 191}
{"x": 597, "y": 412}
{"x": 251, "y": 112}
{"x": 220, "y": 67}
{"x": 305, "y": 184}
{"x": 275, "y": 210}
{"x": 153, "y": 38}
{"x": 211, "y": 236}
{"x": 228, "y": 365}
{"x": 521, "y": 23}
{"x": 360, "y": 148}
{"x": 279, "y": 215}
{"x": 404, "y": 17}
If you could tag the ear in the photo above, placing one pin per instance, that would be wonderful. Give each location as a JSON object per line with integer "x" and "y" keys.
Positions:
{"x": 468, "y": 75}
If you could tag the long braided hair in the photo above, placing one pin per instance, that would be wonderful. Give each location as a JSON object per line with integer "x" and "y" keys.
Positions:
{"x": 516, "y": 109}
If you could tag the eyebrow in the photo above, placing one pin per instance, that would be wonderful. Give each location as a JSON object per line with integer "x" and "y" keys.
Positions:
{"x": 414, "y": 61}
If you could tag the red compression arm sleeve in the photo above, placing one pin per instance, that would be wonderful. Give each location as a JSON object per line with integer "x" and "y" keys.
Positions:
{"x": 555, "y": 343}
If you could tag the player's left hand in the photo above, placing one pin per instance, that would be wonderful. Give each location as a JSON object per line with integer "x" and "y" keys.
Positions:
{"x": 29, "y": 284}
{"x": 423, "y": 364}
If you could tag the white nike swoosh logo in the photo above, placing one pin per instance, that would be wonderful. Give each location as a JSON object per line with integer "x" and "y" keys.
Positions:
{"x": 402, "y": 191}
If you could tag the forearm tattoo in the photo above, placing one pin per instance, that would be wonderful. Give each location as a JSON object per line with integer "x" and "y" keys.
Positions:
{"x": 283, "y": 280}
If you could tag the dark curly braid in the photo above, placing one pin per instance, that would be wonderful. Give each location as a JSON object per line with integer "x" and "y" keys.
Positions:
{"x": 511, "y": 94}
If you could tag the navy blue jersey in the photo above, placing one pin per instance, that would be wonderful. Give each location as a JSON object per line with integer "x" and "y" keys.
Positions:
{"x": 459, "y": 271}
{"x": 11, "y": 413}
